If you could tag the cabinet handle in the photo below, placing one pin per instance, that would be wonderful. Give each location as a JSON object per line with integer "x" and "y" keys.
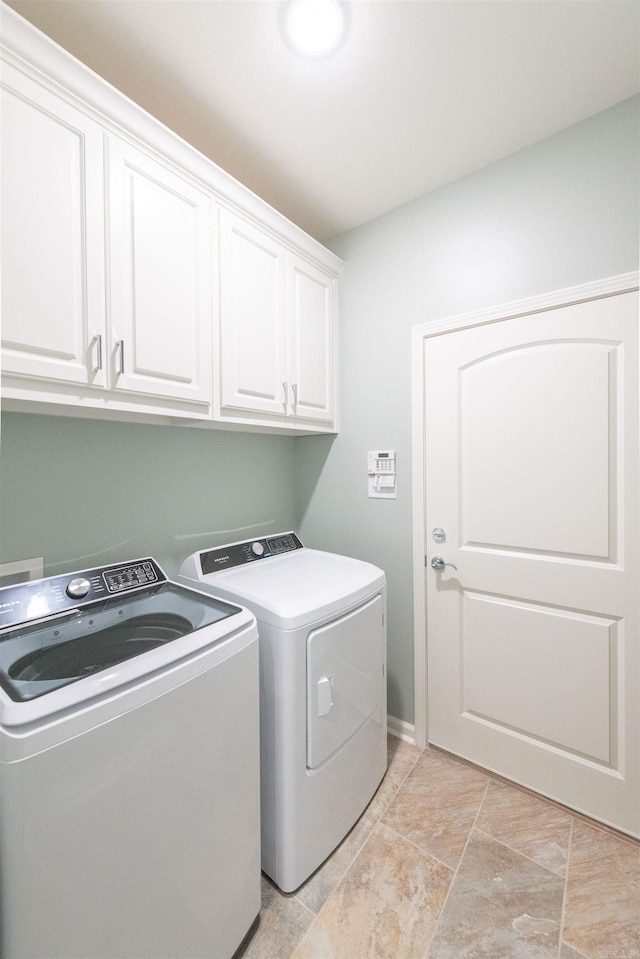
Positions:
{"x": 97, "y": 342}
{"x": 120, "y": 357}
{"x": 285, "y": 395}
{"x": 294, "y": 387}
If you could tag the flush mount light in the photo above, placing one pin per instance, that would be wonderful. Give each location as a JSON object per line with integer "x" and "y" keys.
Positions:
{"x": 314, "y": 28}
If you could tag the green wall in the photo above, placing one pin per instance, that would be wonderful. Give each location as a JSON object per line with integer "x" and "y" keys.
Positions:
{"x": 84, "y": 492}
{"x": 559, "y": 213}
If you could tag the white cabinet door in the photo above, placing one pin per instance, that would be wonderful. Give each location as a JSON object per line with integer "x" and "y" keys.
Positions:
{"x": 531, "y": 428}
{"x": 252, "y": 319}
{"x": 52, "y": 236}
{"x": 276, "y": 331}
{"x": 160, "y": 278}
{"x": 311, "y": 341}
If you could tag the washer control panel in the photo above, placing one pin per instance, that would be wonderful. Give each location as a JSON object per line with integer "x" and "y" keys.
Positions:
{"x": 249, "y": 551}
{"x": 36, "y": 599}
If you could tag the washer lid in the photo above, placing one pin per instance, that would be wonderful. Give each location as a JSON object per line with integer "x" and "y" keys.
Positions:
{"x": 291, "y": 590}
{"x": 68, "y": 658}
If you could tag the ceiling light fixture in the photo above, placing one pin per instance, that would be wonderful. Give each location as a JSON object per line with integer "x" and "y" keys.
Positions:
{"x": 314, "y": 28}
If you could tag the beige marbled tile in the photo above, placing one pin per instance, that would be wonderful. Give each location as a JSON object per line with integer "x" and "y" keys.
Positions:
{"x": 316, "y": 890}
{"x": 401, "y": 758}
{"x": 283, "y": 922}
{"x": 436, "y": 805}
{"x": 380, "y": 801}
{"x": 386, "y": 907}
{"x": 602, "y": 911}
{"x": 502, "y": 905}
{"x": 566, "y": 952}
{"x": 531, "y": 826}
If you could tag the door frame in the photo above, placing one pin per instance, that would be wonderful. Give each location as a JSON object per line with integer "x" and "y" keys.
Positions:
{"x": 610, "y": 286}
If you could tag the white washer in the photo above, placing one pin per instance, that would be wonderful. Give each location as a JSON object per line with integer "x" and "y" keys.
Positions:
{"x": 323, "y": 705}
{"x": 129, "y": 765}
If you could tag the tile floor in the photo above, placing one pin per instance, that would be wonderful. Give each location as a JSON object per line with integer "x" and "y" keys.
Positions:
{"x": 449, "y": 863}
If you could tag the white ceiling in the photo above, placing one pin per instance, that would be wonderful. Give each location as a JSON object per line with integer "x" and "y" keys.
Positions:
{"x": 421, "y": 93}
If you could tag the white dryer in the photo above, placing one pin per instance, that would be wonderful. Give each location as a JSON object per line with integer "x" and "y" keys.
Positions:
{"x": 323, "y": 705}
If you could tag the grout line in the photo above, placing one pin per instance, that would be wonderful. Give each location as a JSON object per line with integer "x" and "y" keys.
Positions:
{"x": 359, "y": 849}
{"x": 398, "y": 785}
{"x": 341, "y": 875}
{"x": 519, "y": 852}
{"x": 423, "y": 852}
{"x": 373, "y": 831}
{"x": 409, "y": 771}
{"x": 455, "y": 873}
{"x": 376, "y": 825}
{"x": 301, "y": 939}
{"x": 564, "y": 901}
{"x": 313, "y": 914}
{"x": 317, "y": 915}
{"x": 600, "y": 826}
{"x": 574, "y": 813}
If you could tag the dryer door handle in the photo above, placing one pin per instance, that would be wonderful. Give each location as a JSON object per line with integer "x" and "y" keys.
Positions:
{"x": 324, "y": 689}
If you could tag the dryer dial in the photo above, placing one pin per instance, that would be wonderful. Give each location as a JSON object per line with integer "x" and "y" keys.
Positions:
{"x": 257, "y": 549}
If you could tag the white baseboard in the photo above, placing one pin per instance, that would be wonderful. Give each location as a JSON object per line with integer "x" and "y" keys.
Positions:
{"x": 401, "y": 730}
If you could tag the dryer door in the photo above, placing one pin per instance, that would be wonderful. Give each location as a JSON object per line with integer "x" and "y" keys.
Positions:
{"x": 345, "y": 677}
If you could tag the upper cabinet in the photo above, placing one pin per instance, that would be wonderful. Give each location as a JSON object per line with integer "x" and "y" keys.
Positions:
{"x": 276, "y": 347}
{"x": 139, "y": 279}
{"x": 52, "y": 238}
{"x": 252, "y": 351}
{"x": 160, "y": 271}
{"x": 311, "y": 350}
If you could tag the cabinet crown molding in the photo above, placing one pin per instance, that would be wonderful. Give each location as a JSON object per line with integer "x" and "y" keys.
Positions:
{"x": 34, "y": 53}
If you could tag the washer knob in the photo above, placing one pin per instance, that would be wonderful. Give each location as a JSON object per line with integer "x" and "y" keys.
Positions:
{"x": 257, "y": 549}
{"x": 78, "y": 588}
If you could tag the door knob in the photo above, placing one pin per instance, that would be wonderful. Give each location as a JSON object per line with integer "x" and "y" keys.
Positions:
{"x": 438, "y": 562}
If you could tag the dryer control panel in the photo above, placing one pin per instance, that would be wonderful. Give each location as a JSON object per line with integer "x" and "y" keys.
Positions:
{"x": 249, "y": 551}
{"x": 35, "y": 599}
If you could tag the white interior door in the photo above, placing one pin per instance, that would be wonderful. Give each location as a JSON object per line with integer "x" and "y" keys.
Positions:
{"x": 532, "y": 473}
